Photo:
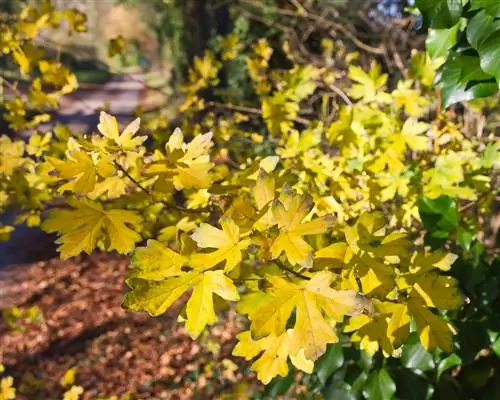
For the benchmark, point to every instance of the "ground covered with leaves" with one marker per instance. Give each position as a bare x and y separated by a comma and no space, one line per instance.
115,352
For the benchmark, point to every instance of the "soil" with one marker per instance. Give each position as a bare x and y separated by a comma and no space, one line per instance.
114,351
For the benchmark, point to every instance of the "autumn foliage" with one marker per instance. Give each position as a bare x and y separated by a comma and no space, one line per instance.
307,223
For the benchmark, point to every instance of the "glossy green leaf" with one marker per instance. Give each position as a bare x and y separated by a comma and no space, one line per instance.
379,386
489,51
496,347
412,386
338,390
492,7
329,362
480,27
440,14
440,41
415,356
463,79
465,239
449,362
439,214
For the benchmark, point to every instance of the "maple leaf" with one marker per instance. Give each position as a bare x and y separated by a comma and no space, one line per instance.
371,333
156,297
83,226
200,307
73,393
187,165
269,312
264,193
433,331
437,291
108,126
226,241
69,377
7,389
289,212
275,351
412,135
369,86
156,262
79,168
409,99
11,154
370,250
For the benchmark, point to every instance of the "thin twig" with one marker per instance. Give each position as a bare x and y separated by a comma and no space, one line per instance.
287,269
148,192
250,110
339,91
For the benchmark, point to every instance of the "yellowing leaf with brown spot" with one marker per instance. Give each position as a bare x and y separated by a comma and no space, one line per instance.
156,262
312,300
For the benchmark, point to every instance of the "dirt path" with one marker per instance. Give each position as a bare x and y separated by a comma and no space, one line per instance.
79,110
121,95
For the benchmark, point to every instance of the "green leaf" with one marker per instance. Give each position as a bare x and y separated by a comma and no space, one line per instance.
465,239
329,362
496,347
379,386
449,362
280,385
492,7
480,27
463,79
439,214
412,386
440,41
415,356
489,51
440,14
338,390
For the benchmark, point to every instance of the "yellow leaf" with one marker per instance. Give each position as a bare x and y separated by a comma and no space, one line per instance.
226,241
83,226
7,390
433,331
437,291
156,297
200,307
116,46
269,312
156,262
79,168
38,144
69,377
73,393
11,154
289,213
108,126
336,251
275,351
